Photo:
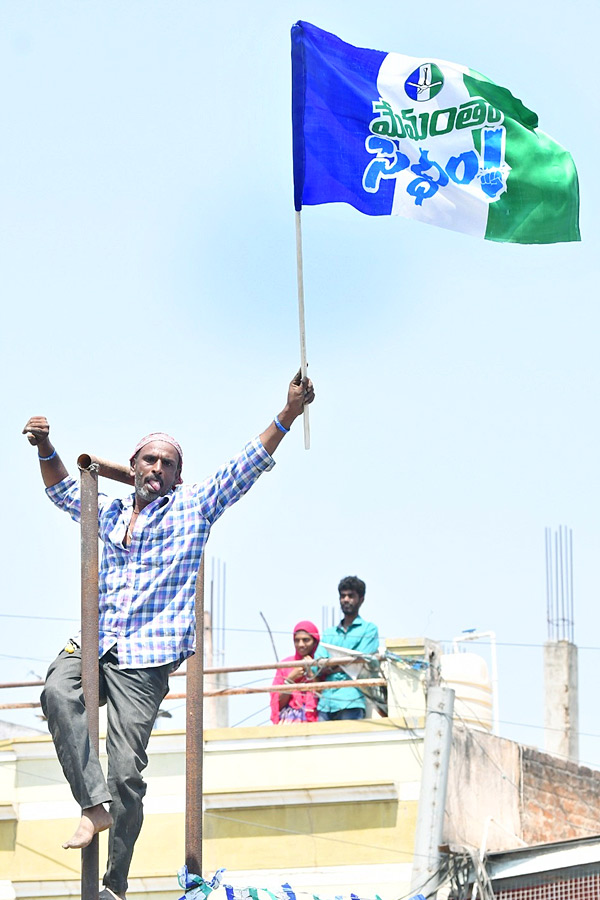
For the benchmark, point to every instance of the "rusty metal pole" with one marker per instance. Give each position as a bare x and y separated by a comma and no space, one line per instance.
114,471
89,648
194,740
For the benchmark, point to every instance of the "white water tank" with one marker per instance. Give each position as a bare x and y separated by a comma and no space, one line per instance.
467,674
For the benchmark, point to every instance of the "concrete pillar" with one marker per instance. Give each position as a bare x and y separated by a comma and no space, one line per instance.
561,717
216,709
406,686
432,797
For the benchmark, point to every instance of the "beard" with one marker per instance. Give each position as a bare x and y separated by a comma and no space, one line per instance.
143,490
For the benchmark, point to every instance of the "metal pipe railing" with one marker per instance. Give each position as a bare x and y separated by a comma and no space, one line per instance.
106,469
288,688
90,468
89,648
267,689
194,739
219,670
287,664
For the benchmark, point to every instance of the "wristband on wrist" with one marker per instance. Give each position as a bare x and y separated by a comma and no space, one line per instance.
281,427
47,458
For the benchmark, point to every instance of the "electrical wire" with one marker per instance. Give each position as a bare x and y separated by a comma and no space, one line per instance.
506,778
286,631
413,745
263,826
38,618
586,734
251,716
25,658
52,859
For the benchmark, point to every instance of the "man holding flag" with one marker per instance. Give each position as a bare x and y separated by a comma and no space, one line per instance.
153,544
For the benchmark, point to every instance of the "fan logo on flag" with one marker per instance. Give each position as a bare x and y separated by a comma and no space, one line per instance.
424,83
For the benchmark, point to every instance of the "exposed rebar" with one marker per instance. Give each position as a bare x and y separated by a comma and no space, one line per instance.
559,584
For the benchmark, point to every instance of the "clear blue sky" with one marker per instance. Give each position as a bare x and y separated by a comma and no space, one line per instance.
148,281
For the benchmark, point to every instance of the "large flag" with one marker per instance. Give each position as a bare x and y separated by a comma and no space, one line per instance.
426,139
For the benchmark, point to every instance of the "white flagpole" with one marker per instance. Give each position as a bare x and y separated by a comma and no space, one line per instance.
303,362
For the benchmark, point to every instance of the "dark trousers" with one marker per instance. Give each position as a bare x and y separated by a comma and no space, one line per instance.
353,712
132,698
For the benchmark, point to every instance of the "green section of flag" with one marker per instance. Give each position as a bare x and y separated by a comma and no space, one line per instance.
500,97
541,201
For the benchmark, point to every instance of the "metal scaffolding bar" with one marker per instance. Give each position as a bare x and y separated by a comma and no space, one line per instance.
90,468
271,689
89,648
195,739
218,670
286,688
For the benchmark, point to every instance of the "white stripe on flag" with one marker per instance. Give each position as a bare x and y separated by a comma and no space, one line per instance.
460,208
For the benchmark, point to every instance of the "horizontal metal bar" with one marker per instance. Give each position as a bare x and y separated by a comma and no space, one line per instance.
272,689
218,670
107,469
20,705
289,688
285,664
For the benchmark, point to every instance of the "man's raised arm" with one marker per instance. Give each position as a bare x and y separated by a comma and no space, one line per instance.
300,391
51,466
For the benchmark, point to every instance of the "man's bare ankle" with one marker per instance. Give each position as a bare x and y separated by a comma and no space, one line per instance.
97,811
93,820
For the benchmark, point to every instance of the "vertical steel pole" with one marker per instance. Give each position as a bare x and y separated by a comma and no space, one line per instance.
195,739
89,648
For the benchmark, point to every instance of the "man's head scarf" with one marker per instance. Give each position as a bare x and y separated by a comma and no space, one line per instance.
159,436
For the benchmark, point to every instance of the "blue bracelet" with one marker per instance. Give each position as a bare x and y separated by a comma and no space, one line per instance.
47,458
280,426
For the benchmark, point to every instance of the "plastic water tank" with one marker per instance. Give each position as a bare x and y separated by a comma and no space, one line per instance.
467,674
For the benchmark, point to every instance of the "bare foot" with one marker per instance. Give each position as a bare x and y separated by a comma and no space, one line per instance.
93,820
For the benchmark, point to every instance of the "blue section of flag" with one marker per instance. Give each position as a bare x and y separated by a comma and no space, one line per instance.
410,85
333,88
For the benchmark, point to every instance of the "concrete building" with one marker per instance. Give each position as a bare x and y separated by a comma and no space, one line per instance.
329,807
564,870
332,805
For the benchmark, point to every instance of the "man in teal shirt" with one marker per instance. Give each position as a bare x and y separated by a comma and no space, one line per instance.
352,633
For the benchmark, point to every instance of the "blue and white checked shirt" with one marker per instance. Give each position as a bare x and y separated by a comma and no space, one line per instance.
146,590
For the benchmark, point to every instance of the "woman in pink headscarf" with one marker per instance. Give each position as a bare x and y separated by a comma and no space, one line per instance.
297,706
